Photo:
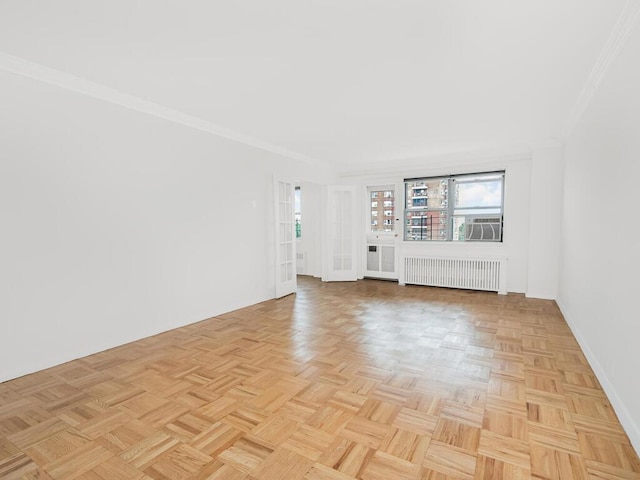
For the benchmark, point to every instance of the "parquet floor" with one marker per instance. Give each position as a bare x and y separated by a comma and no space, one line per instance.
362,380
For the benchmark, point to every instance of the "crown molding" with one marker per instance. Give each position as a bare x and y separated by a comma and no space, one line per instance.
494,157
36,71
626,22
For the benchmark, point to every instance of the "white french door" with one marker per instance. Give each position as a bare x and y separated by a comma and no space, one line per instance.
286,282
340,261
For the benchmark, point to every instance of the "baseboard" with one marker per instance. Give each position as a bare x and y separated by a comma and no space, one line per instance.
540,295
626,420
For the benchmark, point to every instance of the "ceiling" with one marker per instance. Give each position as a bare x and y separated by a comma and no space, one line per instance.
341,81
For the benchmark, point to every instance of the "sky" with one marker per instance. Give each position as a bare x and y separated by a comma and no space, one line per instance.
483,194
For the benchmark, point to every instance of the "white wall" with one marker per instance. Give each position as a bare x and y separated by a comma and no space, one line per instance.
545,221
599,286
517,207
601,260
116,225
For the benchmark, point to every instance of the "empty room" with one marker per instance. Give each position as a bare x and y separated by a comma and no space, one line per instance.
319,240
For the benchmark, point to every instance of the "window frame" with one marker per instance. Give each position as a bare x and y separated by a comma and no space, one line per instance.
449,208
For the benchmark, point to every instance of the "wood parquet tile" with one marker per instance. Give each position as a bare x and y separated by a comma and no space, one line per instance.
343,381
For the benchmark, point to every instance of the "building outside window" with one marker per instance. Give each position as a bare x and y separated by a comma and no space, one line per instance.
297,198
385,209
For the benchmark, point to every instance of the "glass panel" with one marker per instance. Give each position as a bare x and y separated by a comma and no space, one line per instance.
382,213
337,262
346,262
426,225
339,230
346,201
298,211
477,226
346,231
427,193
289,271
458,229
486,193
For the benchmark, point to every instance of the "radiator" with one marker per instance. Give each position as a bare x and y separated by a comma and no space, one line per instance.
470,273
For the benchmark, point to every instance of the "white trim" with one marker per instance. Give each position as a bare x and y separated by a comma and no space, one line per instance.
434,165
541,294
628,18
626,420
35,71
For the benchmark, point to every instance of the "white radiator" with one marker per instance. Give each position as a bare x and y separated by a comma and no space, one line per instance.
470,273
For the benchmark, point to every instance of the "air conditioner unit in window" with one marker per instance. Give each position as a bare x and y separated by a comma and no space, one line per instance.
483,229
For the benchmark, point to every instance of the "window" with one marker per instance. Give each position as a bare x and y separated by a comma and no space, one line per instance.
454,208
384,208
297,200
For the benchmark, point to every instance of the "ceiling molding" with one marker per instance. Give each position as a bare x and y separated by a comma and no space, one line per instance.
626,22
450,163
25,68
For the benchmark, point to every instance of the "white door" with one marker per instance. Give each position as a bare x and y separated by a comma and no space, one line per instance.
340,261
383,226
285,238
